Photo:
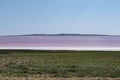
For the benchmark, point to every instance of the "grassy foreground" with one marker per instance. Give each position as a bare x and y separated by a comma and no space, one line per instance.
66,64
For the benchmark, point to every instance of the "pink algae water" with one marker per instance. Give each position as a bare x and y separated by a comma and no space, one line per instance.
60,41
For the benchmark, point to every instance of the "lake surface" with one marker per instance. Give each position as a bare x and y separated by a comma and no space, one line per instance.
60,41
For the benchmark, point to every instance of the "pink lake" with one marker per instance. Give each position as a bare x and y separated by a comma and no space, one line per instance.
60,41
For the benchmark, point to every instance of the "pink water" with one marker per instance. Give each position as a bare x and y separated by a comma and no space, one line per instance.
60,41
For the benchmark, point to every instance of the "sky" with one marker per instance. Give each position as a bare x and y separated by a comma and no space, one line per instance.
59,16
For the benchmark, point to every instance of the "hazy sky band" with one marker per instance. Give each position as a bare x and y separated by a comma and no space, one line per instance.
59,16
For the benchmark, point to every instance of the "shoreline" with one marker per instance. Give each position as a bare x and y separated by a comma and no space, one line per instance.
64,48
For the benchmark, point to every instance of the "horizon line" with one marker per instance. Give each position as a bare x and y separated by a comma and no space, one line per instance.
61,34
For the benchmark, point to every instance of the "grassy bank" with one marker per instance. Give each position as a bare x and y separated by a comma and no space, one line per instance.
20,63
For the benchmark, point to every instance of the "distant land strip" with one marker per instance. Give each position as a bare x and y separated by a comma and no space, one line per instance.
62,34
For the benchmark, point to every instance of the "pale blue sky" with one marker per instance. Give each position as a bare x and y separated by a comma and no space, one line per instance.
59,16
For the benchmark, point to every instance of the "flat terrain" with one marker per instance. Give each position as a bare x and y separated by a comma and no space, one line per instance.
62,64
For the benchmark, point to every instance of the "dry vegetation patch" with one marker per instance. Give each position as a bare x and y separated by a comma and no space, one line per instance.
29,78
64,64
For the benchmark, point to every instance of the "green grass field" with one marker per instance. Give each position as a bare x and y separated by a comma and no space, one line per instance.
23,63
